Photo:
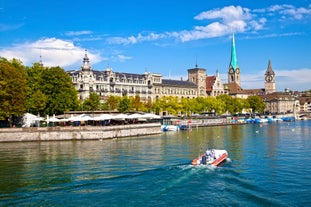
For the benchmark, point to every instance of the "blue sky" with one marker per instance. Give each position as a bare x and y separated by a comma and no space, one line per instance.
166,37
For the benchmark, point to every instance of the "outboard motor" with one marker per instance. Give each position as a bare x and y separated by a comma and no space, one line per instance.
204,159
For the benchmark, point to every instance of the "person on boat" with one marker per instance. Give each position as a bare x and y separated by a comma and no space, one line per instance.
204,159
208,152
211,153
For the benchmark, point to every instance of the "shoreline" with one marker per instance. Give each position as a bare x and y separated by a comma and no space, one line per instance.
77,132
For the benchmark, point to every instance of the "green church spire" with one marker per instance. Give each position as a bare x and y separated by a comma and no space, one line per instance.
234,59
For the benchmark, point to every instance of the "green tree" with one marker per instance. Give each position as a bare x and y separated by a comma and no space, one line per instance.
231,105
36,99
135,103
112,102
156,106
61,94
92,103
256,104
36,103
124,105
185,106
12,89
147,106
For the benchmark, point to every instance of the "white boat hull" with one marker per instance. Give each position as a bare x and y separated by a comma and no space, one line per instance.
215,158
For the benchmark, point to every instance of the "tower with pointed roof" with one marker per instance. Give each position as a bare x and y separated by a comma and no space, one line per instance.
86,67
86,78
234,70
269,79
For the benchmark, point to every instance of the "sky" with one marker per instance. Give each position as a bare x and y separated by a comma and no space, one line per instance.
164,36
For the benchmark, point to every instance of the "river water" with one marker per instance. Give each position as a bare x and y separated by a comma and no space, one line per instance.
268,165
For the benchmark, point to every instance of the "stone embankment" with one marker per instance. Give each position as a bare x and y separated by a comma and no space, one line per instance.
78,132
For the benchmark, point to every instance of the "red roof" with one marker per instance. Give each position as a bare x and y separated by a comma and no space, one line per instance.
210,80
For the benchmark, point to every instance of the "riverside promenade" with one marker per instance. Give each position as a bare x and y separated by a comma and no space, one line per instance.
78,132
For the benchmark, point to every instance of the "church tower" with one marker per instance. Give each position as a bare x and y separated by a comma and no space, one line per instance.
234,70
269,79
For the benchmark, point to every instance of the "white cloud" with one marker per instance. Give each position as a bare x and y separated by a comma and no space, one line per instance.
54,52
221,22
78,33
287,11
296,80
7,27
121,58
226,19
227,14
137,39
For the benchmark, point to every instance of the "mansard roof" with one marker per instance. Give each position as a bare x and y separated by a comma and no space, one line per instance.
105,73
178,83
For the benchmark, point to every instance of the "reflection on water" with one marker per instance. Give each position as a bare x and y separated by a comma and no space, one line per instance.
267,166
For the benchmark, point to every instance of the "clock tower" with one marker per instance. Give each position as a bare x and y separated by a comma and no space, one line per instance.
269,79
234,70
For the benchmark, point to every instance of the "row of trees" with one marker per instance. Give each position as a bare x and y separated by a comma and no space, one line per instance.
175,106
49,90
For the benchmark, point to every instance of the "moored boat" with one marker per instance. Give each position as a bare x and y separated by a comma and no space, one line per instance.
169,128
211,157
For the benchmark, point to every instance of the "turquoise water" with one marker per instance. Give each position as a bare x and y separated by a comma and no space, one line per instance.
268,165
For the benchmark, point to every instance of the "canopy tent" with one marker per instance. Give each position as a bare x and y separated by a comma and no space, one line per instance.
102,117
30,119
120,117
135,116
52,119
81,117
151,116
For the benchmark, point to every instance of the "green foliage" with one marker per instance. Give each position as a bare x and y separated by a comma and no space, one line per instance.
50,91
12,89
112,102
136,103
36,99
124,105
155,106
92,103
256,104
231,105
60,91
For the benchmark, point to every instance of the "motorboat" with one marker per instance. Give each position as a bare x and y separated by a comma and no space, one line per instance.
166,128
211,157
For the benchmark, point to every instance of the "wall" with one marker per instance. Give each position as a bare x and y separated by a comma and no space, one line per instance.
77,133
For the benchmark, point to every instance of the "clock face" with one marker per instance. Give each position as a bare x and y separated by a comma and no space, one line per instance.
231,71
237,70
269,78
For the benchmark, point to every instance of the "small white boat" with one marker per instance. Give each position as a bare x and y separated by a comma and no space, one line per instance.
169,128
211,157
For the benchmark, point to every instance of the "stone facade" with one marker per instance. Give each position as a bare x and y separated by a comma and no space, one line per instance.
78,132
149,86
279,102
